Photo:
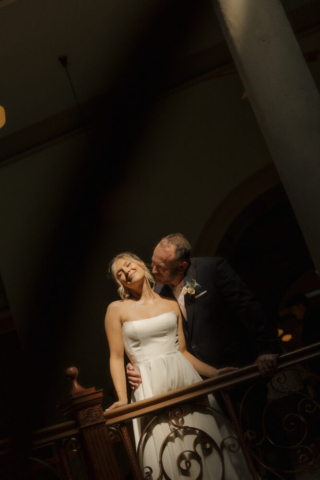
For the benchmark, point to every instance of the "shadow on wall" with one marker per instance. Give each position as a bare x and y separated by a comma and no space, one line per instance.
105,155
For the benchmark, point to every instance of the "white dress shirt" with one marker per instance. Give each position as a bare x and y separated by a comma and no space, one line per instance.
177,292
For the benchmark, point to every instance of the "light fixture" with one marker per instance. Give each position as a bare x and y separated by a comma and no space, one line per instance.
64,62
2,116
286,338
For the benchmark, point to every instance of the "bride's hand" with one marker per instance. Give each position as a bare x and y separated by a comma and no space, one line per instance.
116,405
223,371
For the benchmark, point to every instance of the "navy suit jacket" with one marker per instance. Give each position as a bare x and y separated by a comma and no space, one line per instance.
226,325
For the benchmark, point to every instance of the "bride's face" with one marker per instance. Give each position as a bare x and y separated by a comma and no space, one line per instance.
128,272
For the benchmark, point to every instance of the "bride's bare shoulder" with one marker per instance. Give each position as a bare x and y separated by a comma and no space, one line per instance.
171,302
114,314
115,308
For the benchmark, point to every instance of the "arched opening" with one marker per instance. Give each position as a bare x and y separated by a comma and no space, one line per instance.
264,244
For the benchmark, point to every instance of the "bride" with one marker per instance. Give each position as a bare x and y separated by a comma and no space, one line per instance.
149,329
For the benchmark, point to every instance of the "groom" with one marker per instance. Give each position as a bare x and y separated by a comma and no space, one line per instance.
223,323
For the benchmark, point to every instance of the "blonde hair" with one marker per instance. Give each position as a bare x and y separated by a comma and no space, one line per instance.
122,291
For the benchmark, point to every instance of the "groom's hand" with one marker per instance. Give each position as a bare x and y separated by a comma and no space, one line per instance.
134,377
268,364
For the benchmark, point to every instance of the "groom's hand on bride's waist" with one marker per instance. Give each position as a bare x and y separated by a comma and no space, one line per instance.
134,377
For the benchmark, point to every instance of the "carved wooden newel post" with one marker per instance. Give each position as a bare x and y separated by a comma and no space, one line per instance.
84,406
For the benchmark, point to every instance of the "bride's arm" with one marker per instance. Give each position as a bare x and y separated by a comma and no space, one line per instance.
201,367
114,335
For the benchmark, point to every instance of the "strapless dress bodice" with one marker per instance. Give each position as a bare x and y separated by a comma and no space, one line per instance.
150,338
153,347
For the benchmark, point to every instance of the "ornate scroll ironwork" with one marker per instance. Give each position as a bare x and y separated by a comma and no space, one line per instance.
46,465
281,423
60,465
73,443
189,460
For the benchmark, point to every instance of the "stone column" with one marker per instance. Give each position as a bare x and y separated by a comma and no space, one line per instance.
284,98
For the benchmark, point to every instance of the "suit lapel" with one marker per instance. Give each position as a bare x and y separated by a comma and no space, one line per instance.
189,302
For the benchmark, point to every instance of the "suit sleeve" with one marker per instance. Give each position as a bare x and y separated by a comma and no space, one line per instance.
243,303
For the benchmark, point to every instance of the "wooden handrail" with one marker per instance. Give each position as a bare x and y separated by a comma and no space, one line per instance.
49,435
45,436
211,385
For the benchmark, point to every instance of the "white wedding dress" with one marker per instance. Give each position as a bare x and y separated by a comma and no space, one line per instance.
152,345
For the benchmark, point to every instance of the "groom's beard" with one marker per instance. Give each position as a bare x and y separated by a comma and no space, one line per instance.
168,277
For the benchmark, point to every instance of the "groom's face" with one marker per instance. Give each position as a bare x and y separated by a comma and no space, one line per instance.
165,268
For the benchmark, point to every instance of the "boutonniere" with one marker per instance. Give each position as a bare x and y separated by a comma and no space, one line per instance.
191,289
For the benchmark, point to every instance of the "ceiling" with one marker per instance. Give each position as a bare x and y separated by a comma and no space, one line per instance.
99,38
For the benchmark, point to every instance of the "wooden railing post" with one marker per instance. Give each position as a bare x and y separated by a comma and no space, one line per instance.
84,406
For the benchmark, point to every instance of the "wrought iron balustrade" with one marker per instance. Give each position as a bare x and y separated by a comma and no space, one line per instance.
293,452
90,435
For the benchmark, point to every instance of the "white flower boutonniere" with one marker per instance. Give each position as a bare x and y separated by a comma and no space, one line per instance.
190,289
